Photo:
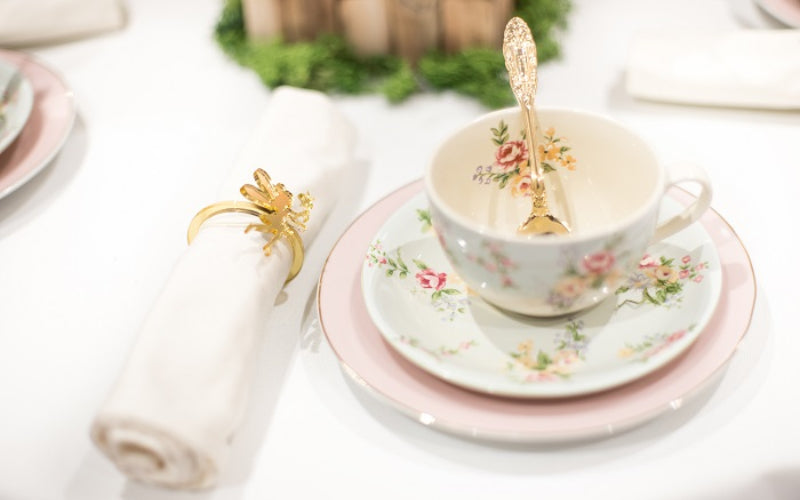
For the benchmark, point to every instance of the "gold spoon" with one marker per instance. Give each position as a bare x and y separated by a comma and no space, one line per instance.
519,51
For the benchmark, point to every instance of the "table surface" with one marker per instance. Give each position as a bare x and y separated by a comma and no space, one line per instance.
87,245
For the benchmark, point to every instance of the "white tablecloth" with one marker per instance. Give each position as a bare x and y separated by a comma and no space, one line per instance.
86,246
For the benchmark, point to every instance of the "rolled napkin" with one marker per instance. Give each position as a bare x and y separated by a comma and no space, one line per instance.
750,68
170,417
28,22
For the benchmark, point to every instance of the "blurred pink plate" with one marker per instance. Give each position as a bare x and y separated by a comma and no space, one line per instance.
373,364
785,11
46,130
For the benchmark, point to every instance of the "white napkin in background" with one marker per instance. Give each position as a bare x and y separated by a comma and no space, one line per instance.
171,415
750,68
29,22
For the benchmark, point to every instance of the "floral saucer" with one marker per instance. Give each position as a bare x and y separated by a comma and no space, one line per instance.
427,314
374,366
15,113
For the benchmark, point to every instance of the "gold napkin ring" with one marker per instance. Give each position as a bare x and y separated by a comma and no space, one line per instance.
273,205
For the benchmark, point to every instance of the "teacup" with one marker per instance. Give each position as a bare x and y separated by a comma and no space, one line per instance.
601,178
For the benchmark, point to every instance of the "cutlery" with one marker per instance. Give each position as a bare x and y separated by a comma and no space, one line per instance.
519,51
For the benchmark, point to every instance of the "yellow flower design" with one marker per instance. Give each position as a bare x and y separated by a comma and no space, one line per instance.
625,352
523,354
571,286
665,273
525,347
554,152
547,151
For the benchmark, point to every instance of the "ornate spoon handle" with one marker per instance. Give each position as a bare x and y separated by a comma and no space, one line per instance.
519,51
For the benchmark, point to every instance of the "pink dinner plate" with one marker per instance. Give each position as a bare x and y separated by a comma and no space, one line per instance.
47,127
785,11
375,365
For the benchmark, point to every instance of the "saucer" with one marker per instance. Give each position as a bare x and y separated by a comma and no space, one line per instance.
376,366
426,313
18,109
47,128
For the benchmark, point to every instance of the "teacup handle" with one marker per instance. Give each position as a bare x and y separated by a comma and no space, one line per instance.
676,174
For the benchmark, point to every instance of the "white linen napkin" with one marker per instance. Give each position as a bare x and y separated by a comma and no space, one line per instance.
748,68
28,22
180,397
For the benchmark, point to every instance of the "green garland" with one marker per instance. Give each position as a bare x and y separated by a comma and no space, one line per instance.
329,64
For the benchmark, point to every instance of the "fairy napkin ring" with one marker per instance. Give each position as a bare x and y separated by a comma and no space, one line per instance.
275,208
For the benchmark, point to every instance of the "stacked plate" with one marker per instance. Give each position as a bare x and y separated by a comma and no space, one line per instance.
36,115
785,11
767,14
404,326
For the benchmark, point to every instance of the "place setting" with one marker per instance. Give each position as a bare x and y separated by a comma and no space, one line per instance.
546,280
37,111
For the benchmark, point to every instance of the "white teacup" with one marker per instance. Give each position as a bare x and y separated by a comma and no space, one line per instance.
602,179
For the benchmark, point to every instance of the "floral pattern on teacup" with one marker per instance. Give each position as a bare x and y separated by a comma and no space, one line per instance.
511,166
651,345
660,281
493,258
449,300
439,352
591,272
537,365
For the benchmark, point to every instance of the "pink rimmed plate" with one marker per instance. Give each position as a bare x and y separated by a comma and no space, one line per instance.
785,11
46,129
365,355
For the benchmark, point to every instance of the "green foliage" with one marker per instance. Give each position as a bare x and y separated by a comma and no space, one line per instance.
400,83
230,28
424,216
328,64
479,73
500,133
544,17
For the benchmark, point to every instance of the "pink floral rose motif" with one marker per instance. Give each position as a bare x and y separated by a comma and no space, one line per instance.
676,336
494,247
428,278
563,362
521,185
686,259
510,154
599,262
540,376
648,261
